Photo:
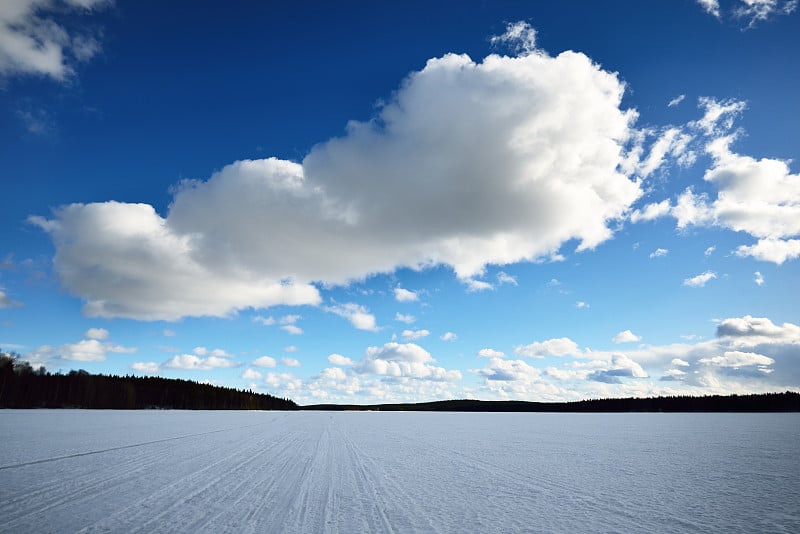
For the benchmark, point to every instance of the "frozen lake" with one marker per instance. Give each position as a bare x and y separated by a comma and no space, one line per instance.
173,471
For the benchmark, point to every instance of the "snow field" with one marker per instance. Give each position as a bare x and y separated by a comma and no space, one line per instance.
173,471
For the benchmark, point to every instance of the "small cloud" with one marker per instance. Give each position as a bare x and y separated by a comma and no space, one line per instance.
710,250
505,278
168,333
264,361
659,253
289,319
519,37
677,362
449,336
626,336
252,374
700,280
216,353
291,362
474,286
405,295
292,329
712,8
338,359
581,304
491,353
562,346
762,10
358,315
414,334
192,362
96,333
553,283
290,348
404,318
266,321
149,368
758,279
675,101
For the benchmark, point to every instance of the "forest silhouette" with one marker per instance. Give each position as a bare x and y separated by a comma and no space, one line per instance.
22,386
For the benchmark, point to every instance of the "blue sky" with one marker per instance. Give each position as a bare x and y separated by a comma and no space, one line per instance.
405,201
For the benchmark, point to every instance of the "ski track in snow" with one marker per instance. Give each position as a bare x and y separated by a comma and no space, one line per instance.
346,472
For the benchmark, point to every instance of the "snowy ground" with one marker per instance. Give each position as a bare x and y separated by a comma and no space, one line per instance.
173,471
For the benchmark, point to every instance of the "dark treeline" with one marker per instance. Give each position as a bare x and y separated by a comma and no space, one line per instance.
766,402
22,386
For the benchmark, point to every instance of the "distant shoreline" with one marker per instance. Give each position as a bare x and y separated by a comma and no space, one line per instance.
755,403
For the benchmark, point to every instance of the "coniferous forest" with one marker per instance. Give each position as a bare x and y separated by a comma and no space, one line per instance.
22,386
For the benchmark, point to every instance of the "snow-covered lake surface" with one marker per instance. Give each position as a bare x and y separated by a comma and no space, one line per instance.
173,471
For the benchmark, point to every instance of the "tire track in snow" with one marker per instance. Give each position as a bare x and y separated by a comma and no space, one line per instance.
122,447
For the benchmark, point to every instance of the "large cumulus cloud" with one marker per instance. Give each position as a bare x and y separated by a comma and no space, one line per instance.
468,164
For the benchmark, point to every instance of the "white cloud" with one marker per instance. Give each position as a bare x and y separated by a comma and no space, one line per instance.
404,318
491,353
149,368
292,329
414,334
290,348
758,278
651,211
291,362
562,346
289,319
519,37
679,363
405,295
358,315
96,333
217,353
266,321
774,250
338,359
674,374
673,142
126,261
504,161
403,360
509,370
264,361
738,359
32,42
86,350
626,336
168,333
474,286
621,367
709,251
287,383
449,336
659,253
505,278
678,99
761,10
711,7
581,304
192,362
700,280
757,330
252,374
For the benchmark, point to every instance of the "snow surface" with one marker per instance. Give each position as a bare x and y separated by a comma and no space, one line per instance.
175,471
